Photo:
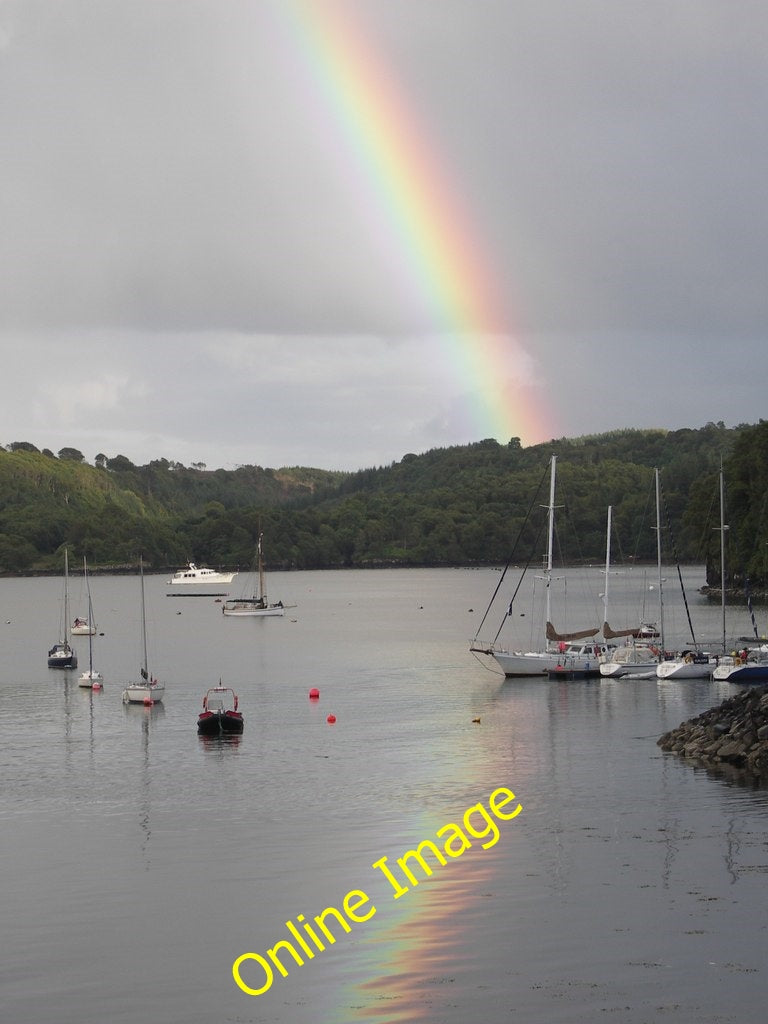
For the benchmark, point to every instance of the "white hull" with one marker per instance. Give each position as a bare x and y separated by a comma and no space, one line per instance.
531,664
143,693
575,657
83,631
631,660
90,679
642,669
680,668
194,577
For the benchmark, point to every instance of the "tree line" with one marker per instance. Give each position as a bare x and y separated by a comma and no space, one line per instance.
475,504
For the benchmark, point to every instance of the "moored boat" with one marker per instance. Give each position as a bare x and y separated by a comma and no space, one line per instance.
632,659
194,575
257,604
62,655
149,690
639,660
581,651
747,666
566,660
220,715
92,678
82,627
687,665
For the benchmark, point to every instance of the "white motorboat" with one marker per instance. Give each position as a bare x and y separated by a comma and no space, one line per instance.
194,575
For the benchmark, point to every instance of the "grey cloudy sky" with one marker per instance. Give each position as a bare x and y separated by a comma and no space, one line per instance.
196,266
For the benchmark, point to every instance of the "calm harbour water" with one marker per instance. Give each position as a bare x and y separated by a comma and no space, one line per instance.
140,860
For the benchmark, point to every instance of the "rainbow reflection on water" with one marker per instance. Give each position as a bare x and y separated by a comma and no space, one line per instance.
416,947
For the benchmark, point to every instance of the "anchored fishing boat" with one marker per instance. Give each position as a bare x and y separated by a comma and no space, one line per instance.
220,715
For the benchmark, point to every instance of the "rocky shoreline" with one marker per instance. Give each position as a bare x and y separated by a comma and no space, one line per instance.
734,734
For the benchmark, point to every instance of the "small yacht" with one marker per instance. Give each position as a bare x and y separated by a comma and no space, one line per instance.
194,576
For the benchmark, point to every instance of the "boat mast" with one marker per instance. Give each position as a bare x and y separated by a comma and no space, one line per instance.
145,668
658,559
262,595
550,541
90,619
723,528
607,563
65,638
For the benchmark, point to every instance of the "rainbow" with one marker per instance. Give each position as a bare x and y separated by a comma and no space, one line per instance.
407,186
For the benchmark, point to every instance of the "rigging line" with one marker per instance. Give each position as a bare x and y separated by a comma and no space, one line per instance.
511,556
520,581
572,533
643,519
616,539
748,596
677,565
704,543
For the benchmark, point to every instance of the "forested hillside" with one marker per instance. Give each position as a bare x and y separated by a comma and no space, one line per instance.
454,506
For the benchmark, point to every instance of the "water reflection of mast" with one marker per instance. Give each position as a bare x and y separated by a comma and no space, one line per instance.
67,723
145,803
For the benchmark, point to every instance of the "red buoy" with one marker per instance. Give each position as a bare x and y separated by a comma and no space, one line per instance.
331,719
314,693
148,702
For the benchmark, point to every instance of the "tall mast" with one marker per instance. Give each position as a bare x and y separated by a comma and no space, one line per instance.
607,563
66,598
723,528
262,595
90,619
145,667
550,540
658,559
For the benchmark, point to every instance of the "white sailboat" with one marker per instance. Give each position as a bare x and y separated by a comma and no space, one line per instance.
91,678
149,691
750,665
575,652
83,627
639,660
646,630
257,604
694,664
62,655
